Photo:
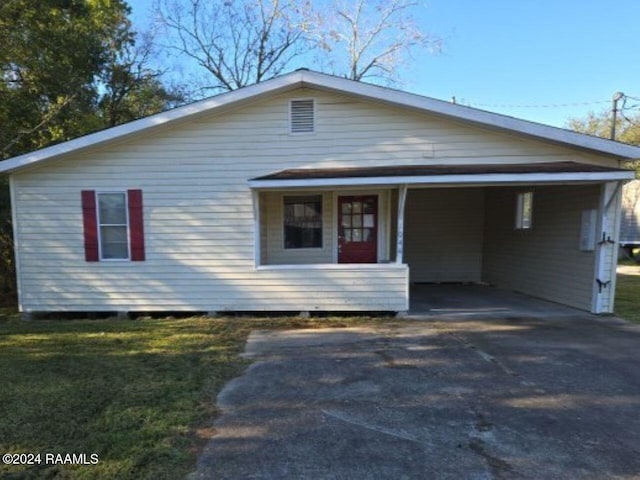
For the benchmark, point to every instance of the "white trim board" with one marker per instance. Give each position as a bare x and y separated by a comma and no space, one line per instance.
336,266
491,178
306,78
16,240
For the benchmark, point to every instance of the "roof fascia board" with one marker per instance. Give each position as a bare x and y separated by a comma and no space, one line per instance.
121,131
493,178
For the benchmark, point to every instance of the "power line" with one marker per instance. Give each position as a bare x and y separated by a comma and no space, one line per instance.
553,105
544,105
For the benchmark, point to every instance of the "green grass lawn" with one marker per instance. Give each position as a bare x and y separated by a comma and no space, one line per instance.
628,296
139,393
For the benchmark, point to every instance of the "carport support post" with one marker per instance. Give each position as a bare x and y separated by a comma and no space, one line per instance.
402,198
606,249
257,244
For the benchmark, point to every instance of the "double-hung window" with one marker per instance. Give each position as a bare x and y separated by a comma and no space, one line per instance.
113,226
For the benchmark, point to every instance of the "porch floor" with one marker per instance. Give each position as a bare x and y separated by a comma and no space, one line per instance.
477,301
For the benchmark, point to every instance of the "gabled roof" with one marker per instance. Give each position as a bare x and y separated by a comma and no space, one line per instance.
307,78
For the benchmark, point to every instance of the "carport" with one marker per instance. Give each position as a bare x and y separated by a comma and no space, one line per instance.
538,239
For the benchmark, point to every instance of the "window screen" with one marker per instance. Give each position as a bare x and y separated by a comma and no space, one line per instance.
303,221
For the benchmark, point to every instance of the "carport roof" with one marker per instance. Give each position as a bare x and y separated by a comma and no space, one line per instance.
430,174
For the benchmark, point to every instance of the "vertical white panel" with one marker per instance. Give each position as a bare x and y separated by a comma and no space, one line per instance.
257,237
402,199
16,238
607,247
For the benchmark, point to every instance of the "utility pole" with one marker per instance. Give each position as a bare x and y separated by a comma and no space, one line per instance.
614,112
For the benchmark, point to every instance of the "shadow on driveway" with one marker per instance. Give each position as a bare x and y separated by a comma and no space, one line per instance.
461,399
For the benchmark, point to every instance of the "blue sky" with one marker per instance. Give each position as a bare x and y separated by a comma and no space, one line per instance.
523,52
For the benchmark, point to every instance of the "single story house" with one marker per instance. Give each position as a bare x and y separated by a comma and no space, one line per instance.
310,192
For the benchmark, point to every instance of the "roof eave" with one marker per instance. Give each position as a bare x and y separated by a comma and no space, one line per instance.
453,179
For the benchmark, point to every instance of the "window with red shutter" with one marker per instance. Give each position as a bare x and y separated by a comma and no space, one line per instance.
113,225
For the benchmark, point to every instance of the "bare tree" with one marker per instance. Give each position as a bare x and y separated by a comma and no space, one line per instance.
239,42
370,39
131,87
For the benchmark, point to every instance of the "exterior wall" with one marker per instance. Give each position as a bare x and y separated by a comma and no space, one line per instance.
198,214
630,222
546,260
444,233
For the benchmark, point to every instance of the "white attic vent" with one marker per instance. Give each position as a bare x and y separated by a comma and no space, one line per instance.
302,116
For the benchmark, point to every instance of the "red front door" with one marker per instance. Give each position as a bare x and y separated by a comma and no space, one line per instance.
358,229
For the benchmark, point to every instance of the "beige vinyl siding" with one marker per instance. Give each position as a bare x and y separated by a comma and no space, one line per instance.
544,261
198,214
178,287
443,234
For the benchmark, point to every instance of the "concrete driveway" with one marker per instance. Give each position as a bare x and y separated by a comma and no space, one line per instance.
460,399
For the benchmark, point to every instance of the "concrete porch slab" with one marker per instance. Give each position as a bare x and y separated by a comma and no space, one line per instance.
479,301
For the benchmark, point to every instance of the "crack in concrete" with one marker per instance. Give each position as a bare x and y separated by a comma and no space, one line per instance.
375,428
484,355
499,468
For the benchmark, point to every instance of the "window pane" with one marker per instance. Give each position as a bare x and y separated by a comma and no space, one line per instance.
368,221
524,214
347,234
112,208
312,209
357,235
357,207
346,208
527,210
114,251
368,207
303,221
298,210
357,221
367,235
346,220
113,234
113,242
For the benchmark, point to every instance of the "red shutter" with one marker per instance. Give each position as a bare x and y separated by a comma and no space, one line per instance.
136,225
90,225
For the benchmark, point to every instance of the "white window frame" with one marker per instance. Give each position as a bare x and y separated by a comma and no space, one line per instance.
520,210
322,213
99,224
315,116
